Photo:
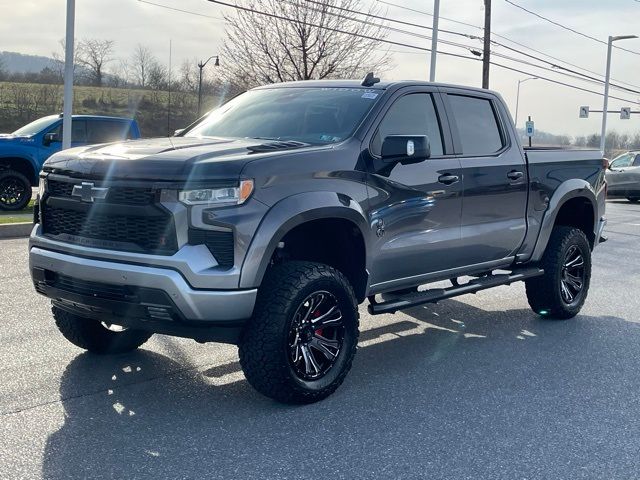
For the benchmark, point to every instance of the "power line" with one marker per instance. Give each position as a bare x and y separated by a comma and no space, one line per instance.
455,44
422,12
391,42
180,10
577,32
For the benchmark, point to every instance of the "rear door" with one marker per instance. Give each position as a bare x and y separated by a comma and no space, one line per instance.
495,177
414,209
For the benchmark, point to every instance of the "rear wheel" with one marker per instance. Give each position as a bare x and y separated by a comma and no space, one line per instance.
300,343
15,190
97,337
562,290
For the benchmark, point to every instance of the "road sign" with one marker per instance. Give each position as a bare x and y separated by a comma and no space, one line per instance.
530,129
584,112
625,113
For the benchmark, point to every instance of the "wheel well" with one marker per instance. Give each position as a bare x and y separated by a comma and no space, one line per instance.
21,165
335,242
578,213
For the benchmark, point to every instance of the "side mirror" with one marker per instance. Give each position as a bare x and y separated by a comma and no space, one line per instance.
50,138
178,132
405,149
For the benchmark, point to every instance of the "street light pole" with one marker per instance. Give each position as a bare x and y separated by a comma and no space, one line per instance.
67,109
518,96
201,66
434,40
605,106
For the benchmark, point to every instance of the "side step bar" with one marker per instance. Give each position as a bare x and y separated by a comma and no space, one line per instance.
435,295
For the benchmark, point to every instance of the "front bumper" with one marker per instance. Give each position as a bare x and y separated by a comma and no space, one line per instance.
193,307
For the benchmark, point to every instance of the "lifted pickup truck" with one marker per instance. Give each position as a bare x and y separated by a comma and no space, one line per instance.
268,221
23,152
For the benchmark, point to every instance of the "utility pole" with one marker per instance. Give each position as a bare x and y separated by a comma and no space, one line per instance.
486,54
67,110
603,133
434,40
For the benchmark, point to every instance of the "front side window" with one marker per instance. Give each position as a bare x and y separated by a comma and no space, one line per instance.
311,115
78,131
622,161
413,114
477,125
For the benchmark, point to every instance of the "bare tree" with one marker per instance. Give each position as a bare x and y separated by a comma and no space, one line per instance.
94,54
158,76
302,41
59,58
141,60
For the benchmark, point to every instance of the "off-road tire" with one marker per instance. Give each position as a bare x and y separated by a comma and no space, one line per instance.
91,335
264,348
21,181
544,293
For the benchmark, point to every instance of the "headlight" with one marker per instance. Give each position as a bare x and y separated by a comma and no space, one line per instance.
41,187
217,196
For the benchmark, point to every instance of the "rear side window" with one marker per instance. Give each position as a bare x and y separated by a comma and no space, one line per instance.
477,125
103,131
413,114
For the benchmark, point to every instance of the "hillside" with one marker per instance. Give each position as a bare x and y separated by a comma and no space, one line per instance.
21,103
21,63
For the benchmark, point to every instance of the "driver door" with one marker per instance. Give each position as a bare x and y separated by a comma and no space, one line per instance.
415,209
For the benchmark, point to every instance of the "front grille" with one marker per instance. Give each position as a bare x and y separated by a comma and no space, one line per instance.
150,234
117,194
108,223
220,244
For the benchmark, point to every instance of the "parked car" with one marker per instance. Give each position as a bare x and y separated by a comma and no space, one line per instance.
623,177
268,222
23,152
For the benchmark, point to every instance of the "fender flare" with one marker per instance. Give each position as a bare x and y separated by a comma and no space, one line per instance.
567,190
287,214
21,158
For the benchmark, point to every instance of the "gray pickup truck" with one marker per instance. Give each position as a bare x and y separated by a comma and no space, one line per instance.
268,221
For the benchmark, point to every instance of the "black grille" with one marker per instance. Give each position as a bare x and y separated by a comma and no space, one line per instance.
85,287
116,194
150,234
220,244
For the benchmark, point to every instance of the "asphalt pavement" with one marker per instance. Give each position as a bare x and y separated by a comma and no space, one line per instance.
471,388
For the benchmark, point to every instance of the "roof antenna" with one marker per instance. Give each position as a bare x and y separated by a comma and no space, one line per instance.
369,80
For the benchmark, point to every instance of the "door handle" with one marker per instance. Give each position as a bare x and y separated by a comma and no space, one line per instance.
515,175
448,179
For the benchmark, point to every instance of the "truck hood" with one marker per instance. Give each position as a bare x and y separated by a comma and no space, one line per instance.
166,159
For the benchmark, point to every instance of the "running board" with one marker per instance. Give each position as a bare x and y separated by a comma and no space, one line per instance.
435,295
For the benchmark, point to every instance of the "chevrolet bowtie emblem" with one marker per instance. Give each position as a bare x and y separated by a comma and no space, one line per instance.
88,192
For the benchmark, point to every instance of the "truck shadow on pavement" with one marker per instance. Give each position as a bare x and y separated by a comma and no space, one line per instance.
450,391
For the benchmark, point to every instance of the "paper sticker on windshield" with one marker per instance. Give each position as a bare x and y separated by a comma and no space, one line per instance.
371,95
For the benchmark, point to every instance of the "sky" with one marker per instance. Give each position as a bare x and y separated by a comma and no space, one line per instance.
36,26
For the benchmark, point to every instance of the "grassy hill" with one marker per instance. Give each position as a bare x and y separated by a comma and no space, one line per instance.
21,103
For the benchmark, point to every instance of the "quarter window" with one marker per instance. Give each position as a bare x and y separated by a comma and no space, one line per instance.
413,114
477,125
103,131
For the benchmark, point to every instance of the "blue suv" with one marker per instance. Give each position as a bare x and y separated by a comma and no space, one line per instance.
23,152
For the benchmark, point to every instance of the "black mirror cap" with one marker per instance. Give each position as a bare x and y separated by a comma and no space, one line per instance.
405,149
50,137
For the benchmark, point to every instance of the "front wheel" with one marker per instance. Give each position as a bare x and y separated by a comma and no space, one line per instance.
15,190
300,343
95,336
562,290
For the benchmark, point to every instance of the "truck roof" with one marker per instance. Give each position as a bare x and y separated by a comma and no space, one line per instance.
358,84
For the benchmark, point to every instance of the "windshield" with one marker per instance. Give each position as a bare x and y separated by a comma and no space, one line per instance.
36,126
311,115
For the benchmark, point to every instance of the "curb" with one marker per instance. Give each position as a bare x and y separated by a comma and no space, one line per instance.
15,230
